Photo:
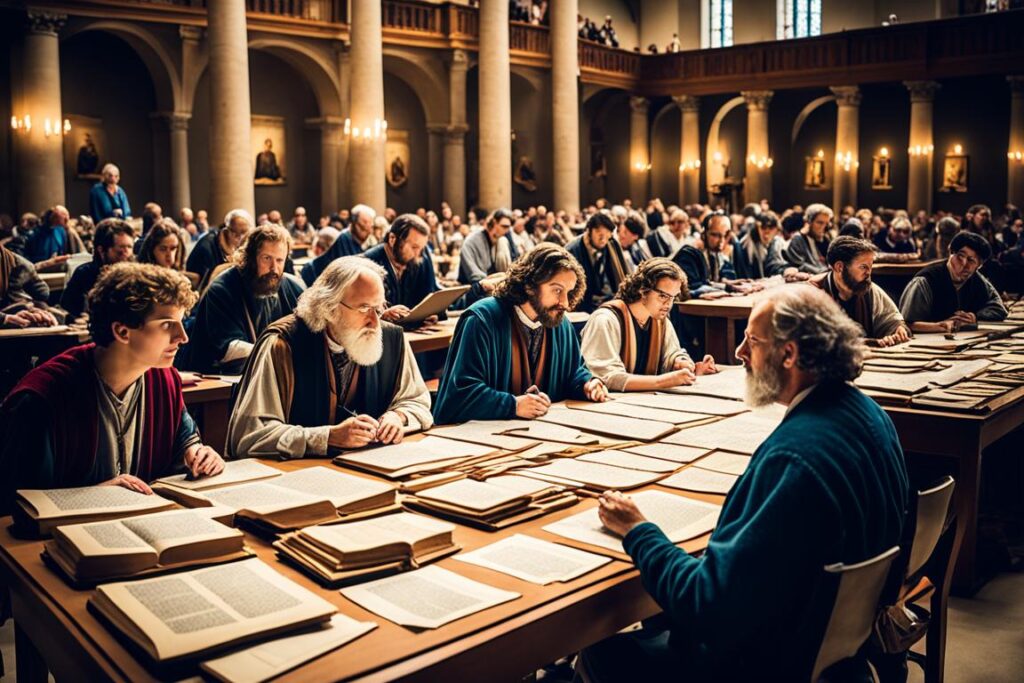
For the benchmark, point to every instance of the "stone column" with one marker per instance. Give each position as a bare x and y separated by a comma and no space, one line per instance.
366,153
758,183
40,157
565,115
844,174
176,124
495,107
922,148
639,152
231,164
345,76
1015,164
435,162
330,128
689,149
454,140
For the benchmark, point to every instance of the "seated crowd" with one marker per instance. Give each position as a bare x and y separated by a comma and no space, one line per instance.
229,299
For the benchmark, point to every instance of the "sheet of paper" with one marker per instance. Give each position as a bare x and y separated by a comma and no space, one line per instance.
679,517
706,405
675,417
630,461
546,431
471,494
487,433
426,598
701,481
729,382
273,658
408,453
259,497
668,451
534,560
723,461
898,383
341,488
595,475
740,434
235,472
610,425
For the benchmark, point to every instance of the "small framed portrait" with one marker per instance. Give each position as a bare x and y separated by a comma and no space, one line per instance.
814,173
954,173
881,173
269,150
396,157
85,147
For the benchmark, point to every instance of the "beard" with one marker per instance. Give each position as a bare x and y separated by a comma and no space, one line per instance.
549,317
855,287
364,346
763,387
266,285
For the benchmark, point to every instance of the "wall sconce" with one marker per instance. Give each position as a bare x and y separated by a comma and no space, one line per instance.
883,152
50,126
377,132
957,149
821,154
641,166
761,162
1015,155
689,166
846,161
920,150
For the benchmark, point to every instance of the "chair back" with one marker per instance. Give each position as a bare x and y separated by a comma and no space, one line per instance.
860,587
932,511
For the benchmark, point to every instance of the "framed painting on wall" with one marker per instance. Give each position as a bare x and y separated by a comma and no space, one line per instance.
881,173
85,147
814,173
269,150
954,173
396,158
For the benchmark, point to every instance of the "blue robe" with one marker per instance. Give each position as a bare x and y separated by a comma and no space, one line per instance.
102,204
344,245
45,241
417,281
477,380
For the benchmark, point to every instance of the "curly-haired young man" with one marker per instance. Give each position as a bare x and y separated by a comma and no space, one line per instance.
515,353
112,411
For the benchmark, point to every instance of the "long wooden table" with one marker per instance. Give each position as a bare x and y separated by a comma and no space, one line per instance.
208,402
720,317
55,632
893,277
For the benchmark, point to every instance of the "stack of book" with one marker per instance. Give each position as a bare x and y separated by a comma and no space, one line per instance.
38,511
496,503
336,554
429,454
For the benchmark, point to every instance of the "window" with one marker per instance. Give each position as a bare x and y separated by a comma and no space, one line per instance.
721,23
798,19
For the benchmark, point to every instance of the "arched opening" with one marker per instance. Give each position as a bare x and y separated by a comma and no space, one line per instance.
605,139
727,143
666,132
531,142
408,141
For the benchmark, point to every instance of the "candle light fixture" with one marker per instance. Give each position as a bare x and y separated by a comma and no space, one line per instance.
378,131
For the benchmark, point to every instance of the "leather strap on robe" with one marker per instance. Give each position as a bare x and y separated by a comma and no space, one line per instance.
523,375
629,341
863,304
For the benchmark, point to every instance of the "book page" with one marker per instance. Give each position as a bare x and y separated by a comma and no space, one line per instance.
235,472
534,560
84,500
178,527
408,453
101,538
273,658
595,475
260,498
725,462
895,382
705,405
521,485
192,611
630,461
486,433
668,451
680,518
366,534
610,425
728,382
739,434
471,494
701,481
676,417
340,487
426,598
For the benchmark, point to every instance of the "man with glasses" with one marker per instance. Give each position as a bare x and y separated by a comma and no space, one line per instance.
486,255
515,353
112,244
896,243
242,301
352,241
109,412
627,342
408,276
359,381
601,258
217,246
709,272
952,294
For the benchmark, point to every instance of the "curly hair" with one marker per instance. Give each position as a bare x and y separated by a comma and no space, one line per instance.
245,256
127,293
162,228
536,267
645,278
828,342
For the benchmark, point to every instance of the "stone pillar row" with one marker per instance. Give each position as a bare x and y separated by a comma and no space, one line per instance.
844,186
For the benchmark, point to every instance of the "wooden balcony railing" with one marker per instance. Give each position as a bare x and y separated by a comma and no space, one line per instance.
529,38
417,17
329,11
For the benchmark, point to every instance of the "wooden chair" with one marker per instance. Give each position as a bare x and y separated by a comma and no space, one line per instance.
855,608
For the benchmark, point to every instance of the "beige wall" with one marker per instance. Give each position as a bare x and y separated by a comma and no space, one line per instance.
753,22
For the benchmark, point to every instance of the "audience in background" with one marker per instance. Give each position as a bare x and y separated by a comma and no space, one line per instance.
107,199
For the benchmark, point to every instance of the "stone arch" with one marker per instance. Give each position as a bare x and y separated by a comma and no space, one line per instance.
712,143
665,143
806,112
318,69
152,52
430,86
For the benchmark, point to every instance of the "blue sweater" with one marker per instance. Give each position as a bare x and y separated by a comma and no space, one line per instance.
829,485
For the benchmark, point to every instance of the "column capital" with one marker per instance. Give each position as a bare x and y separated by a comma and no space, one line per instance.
1016,82
847,95
639,104
45,22
437,128
190,34
687,102
922,91
456,132
458,60
757,100
174,120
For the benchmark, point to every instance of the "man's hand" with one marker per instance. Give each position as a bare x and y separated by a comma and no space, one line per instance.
682,364
129,482
791,274
395,313
678,378
901,335
355,432
619,513
391,428
203,461
706,366
966,318
533,404
595,390
52,262
30,317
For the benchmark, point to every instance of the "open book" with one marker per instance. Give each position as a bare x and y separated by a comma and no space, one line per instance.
493,504
38,511
235,472
202,611
301,498
100,551
337,553
429,454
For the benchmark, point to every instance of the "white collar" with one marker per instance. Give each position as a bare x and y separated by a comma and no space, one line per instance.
333,346
799,397
525,319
